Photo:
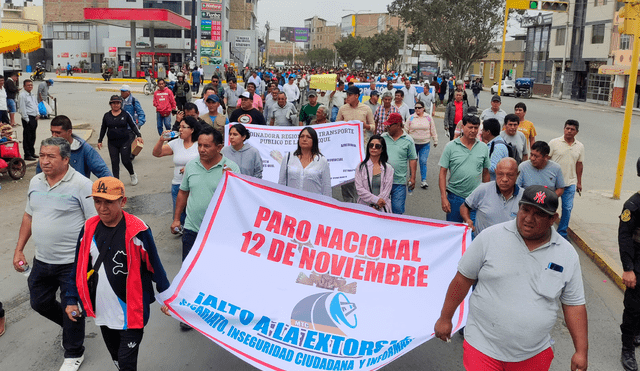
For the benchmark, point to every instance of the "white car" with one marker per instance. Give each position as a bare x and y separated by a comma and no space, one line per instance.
508,88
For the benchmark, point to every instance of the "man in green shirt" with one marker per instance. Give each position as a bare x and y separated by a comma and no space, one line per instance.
309,110
401,150
468,160
201,178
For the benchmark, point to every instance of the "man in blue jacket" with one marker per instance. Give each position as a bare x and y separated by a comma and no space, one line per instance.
132,106
84,158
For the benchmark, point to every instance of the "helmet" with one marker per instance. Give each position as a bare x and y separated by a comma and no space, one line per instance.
180,74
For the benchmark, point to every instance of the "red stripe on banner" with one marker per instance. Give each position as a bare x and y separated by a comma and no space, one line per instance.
277,128
204,239
227,345
462,308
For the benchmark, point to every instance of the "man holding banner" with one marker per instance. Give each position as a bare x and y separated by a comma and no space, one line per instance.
521,269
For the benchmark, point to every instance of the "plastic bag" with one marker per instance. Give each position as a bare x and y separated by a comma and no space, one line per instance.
48,107
42,110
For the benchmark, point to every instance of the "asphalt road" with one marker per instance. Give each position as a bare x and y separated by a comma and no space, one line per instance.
33,343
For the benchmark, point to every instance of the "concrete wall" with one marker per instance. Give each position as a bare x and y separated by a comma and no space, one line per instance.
70,10
71,51
238,39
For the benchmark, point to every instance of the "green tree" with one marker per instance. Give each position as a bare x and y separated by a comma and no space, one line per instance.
387,44
459,31
368,52
348,49
321,56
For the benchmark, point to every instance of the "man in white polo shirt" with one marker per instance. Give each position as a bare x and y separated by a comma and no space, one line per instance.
496,201
521,268
57,208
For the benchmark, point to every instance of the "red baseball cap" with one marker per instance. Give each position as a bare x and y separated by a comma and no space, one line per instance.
394,118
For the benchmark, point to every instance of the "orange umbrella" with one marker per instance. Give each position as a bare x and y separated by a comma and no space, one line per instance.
26,41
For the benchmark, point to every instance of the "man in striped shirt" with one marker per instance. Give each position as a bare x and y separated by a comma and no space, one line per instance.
382,113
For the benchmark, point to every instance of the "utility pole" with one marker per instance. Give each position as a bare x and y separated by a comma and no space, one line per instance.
404,51
630,15
268,27
564,56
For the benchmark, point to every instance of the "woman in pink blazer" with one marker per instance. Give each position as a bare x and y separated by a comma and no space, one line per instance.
374,176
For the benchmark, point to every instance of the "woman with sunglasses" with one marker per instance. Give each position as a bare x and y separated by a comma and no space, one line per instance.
374,176
422,129
306,168
121,131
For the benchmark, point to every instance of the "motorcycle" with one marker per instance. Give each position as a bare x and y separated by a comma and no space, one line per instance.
39,73
151,85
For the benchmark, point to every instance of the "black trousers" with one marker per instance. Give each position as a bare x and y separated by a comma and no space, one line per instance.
29,136
120,149
630,326
123,345
180,102
1,310
44,281
452,132
4,117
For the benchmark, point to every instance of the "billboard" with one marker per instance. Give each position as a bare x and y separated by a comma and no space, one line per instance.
294,34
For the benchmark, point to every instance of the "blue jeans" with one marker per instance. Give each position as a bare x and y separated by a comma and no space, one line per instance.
44,281
174,195
567,206
11,105
423,155
166,121
477,98
188,239
334,113
456,201
398,198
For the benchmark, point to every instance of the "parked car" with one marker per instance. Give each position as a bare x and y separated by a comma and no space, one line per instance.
508,88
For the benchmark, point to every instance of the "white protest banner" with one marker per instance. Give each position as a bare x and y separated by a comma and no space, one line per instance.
291,280
339,142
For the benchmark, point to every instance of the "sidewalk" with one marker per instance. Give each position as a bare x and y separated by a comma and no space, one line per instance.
96,78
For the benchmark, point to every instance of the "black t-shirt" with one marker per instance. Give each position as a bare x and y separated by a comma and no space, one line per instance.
115,260
253,116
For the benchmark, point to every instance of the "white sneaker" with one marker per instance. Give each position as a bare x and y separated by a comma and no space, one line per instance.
424,184
134,179
72,364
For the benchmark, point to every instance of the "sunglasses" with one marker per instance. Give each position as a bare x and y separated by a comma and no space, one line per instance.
418,107
375,146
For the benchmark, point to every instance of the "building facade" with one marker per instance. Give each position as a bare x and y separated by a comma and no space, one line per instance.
368,24
488,68
587,31
321,35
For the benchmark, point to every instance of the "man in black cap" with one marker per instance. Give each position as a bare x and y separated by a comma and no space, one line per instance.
246,114
354,110
521,268
629,243
494,112
372,103
308,111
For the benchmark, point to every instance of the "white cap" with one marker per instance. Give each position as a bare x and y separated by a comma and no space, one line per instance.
125,88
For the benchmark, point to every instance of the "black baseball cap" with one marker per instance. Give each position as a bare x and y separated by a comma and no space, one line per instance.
541,197
374,92
353,90
496,98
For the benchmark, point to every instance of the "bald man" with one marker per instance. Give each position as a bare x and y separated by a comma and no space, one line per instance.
496,201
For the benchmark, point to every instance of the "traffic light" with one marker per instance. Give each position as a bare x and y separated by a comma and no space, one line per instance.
554,6
629,18
533,5
523,4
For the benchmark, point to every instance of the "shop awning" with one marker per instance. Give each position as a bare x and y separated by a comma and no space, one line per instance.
26,41
144,18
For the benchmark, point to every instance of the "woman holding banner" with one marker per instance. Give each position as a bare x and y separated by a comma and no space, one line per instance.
243,154
306,168
374,176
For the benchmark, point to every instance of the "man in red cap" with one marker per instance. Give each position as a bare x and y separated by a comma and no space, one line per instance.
401,150
117,254
523,270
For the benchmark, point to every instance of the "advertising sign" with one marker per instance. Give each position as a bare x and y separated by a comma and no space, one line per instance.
294,34
242,42
211,7
291,280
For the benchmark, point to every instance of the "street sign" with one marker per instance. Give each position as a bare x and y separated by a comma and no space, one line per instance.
613,70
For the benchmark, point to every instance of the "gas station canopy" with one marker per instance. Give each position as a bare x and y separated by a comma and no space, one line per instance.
144,18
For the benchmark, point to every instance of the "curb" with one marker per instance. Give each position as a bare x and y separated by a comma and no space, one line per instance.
117,90
596,258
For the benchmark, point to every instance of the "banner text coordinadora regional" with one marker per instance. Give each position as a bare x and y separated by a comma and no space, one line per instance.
356,256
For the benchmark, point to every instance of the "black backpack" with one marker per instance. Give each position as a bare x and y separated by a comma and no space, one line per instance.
512,151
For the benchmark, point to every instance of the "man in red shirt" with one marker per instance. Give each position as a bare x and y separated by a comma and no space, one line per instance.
165,104
454,113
